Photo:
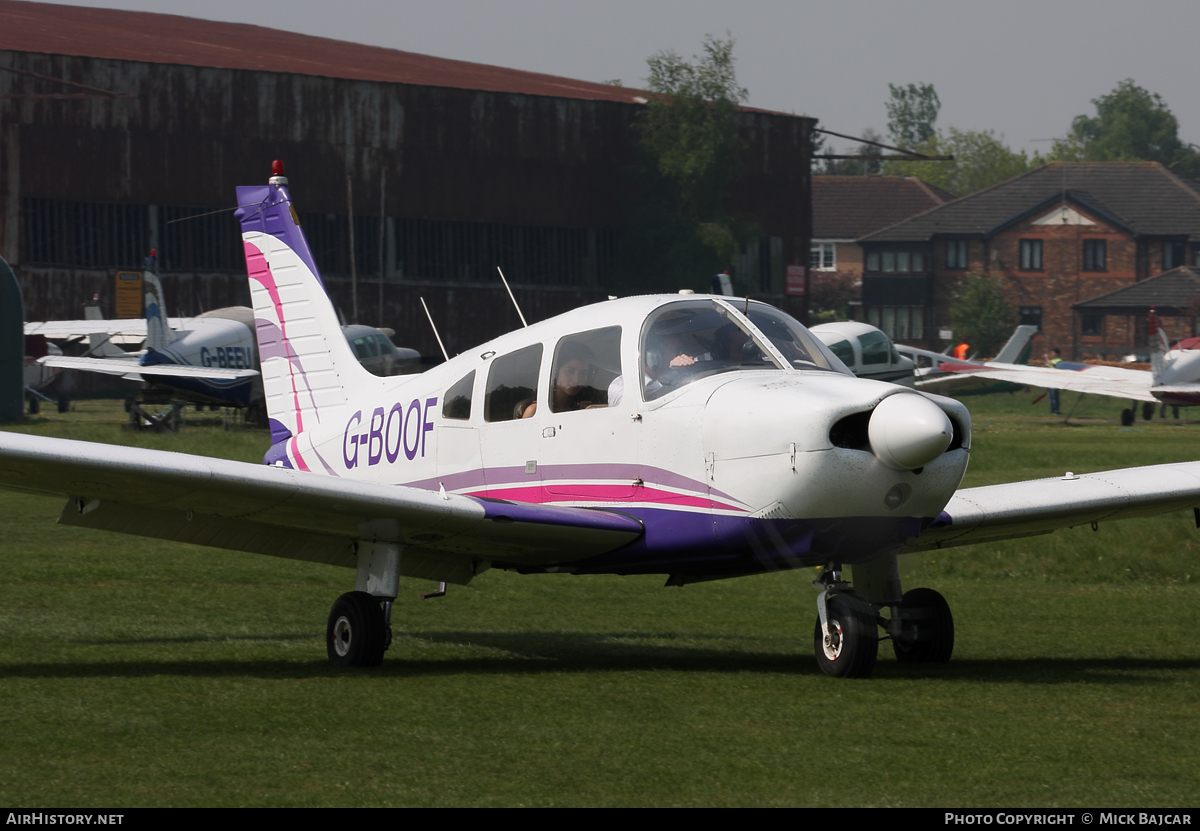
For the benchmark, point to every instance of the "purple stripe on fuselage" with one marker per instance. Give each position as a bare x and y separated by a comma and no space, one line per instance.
268,209
501,511
279,433
678,542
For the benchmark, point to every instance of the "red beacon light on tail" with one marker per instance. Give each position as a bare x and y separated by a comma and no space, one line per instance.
277,177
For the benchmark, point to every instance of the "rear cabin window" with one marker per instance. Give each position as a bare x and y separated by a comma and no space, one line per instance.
458,398
586,368
512,384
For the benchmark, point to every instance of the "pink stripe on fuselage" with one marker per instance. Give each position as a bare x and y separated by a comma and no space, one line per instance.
607,494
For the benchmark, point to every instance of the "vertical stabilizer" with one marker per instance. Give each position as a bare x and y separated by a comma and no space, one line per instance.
159,333
306,361
1158,347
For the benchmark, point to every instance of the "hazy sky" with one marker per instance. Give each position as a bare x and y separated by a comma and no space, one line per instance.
1023,68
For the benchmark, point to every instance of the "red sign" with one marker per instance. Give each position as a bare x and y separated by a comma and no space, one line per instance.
795,280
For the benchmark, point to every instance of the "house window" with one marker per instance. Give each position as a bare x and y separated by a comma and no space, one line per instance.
956,253
1092,324
899,322
1031,255
824,256
1031,316
918,262
1094,255
1173,255
889,261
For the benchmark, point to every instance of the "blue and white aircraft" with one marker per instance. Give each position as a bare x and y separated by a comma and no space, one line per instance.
699,437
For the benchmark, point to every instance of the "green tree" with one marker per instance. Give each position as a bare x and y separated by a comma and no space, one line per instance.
980,161
1131,124
981,314
688,156
912,111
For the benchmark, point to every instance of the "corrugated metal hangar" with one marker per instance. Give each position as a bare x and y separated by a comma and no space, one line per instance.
122,132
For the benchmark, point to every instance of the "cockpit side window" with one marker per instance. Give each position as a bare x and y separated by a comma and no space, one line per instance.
586,366
458,398
876,348
512,384
692,339
843,350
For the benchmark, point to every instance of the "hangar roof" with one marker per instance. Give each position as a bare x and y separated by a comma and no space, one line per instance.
173,39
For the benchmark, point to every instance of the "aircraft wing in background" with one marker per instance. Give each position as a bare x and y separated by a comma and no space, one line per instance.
131,368
1130,384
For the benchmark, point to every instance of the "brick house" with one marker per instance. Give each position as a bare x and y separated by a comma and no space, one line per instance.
1057,236
1174,295
846,208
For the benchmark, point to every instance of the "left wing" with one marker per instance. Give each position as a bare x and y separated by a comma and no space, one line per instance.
1024,509
299,515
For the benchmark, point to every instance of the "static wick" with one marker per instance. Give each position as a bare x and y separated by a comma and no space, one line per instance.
513,299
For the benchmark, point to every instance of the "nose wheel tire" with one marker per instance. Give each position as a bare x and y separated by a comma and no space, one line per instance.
850,644
927,628
356,634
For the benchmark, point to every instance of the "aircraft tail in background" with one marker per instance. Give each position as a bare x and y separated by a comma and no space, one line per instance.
306,361
1159,347
159,333
1017,345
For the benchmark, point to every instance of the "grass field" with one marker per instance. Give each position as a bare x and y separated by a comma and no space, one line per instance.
138,673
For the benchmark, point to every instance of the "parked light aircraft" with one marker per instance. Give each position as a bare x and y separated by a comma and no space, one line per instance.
1173,379
866,351
209,359
700,437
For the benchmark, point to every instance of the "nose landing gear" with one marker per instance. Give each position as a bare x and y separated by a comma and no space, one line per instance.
846,639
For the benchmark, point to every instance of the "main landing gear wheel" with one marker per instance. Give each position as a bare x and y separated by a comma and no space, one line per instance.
1127,417
927,628
851,643
1147,411
356,634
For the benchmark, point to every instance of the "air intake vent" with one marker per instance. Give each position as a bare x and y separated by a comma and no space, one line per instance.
851,432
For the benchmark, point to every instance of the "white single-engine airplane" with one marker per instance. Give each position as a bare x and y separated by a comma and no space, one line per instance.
698,437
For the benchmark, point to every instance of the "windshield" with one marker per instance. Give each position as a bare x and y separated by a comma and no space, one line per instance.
693,339
799,347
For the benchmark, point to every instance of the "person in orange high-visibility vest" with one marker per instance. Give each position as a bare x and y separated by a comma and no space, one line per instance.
960,351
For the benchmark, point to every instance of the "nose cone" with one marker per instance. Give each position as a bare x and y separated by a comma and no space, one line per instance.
909,431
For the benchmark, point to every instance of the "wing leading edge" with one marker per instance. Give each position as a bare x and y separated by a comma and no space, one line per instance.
297,515
1023,509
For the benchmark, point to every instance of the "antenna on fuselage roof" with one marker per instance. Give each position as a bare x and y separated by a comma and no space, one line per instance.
513,299
433,326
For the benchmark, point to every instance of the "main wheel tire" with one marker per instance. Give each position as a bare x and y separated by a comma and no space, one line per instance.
928,628
852,644
1147,411
1127,417
355,634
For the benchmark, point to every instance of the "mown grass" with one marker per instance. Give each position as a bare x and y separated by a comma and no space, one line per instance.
139,673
